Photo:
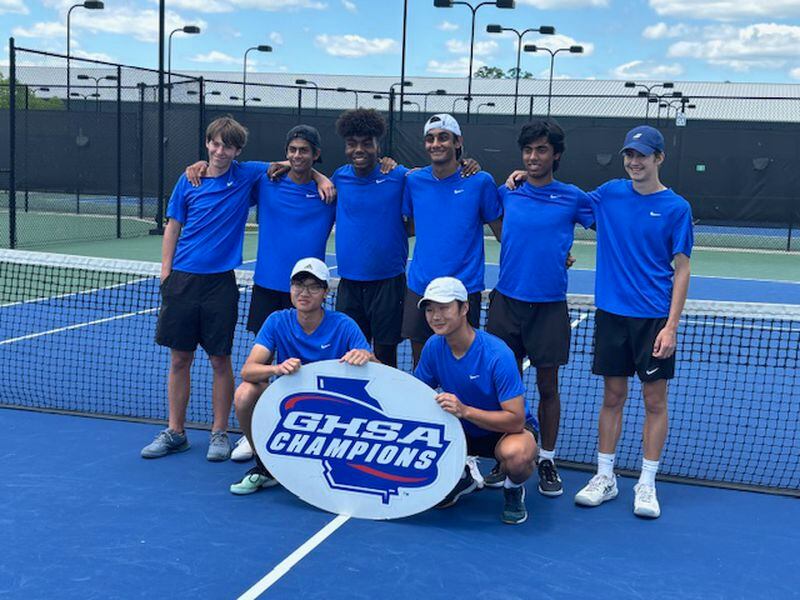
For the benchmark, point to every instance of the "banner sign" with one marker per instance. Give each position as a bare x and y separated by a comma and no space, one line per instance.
368,441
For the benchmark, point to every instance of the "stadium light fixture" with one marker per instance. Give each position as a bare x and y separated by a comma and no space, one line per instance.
260,48
552,53
439,92
647,90
343,89
89,5
316,91
190,29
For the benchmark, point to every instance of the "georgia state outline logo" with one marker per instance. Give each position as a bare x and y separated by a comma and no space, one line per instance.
334,437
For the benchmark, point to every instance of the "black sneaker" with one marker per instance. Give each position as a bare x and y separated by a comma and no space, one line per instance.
549,480
495,478
514,511
466,485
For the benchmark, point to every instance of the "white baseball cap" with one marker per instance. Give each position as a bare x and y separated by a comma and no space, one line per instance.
442,121
444,290
312,266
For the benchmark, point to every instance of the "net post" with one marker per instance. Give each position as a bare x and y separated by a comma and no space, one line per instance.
12,145
119,152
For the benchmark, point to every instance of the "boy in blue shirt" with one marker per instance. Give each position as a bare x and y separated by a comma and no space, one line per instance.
294,337
199,296
446,213
644,242
528,307
481,386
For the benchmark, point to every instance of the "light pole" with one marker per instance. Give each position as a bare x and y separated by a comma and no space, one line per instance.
316,91
474,9
190,29
262,48
552,53
544,30
97,81
90,5
436,93
466,99
403,84
342,89
489,104
411,102
645,93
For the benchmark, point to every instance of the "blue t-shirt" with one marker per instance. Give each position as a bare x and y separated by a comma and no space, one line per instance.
293,223
484,377
371,239
449,215
538,231
637,238
213,216
336,335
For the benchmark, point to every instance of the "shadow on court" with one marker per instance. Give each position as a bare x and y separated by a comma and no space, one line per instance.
85,517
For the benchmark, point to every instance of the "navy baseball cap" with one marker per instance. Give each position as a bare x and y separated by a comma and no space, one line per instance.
307,133
644,139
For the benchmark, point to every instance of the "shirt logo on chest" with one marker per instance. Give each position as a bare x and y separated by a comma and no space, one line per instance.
654,214
325,346
311,195
474,376
379,181
461,191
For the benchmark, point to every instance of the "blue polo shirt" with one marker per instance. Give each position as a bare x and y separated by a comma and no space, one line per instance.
449,215
293,223
483,378
336,335
538,231
637,237
213,217
371,239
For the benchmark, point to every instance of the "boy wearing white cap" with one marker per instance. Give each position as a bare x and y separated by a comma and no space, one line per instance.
481,386
294,337
446,213
644,241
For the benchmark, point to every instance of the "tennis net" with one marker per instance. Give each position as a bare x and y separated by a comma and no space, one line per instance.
77,335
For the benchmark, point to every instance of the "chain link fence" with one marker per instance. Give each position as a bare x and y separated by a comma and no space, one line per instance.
86,150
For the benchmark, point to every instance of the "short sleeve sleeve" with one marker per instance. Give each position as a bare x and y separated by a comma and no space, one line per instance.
178,202
584,213
491,207
507,381
408,205
426,368
267,334
354,336
683,237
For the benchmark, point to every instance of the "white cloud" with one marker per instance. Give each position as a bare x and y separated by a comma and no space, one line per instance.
140,24
217,57
661,31
481,48
41,30
639,69
727,10
93,56
203,6
276,38
459,66
277,5
562,4
355,46
13,6
447,26
349,6
795,73
762,45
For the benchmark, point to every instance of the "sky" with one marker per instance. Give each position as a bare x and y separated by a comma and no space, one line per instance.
669,40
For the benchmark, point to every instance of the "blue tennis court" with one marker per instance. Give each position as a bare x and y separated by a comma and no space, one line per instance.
91,519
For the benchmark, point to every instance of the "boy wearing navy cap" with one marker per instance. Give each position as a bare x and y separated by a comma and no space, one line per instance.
644,242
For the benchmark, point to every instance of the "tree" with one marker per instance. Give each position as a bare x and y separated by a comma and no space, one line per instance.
486,72
34,102
512,74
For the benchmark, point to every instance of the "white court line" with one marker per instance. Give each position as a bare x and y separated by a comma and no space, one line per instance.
31,336
295,557
527,362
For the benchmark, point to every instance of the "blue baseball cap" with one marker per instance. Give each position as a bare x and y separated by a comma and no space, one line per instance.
644,139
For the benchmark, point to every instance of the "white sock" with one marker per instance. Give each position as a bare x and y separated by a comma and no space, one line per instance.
510,484
546,455
605,464
649,470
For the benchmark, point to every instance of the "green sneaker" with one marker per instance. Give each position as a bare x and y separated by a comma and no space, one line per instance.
514,511
166,442
255,479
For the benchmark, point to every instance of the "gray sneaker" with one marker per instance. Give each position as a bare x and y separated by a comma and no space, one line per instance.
219,447
166,442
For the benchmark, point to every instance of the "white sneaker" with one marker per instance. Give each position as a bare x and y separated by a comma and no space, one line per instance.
472,465
645,502
599,489
242,451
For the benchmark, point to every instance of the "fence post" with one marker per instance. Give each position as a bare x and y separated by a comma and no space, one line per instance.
202,130
141,85
12,144
391,122
530,109
299,103
119,151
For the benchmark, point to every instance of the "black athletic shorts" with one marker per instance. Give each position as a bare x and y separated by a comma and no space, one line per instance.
415,325
484,445
263,303
377,306
198,309
624,346
539,330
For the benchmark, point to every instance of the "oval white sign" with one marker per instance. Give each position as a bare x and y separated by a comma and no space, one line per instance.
368,442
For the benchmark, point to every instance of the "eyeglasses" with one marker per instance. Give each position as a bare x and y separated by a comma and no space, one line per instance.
311,288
